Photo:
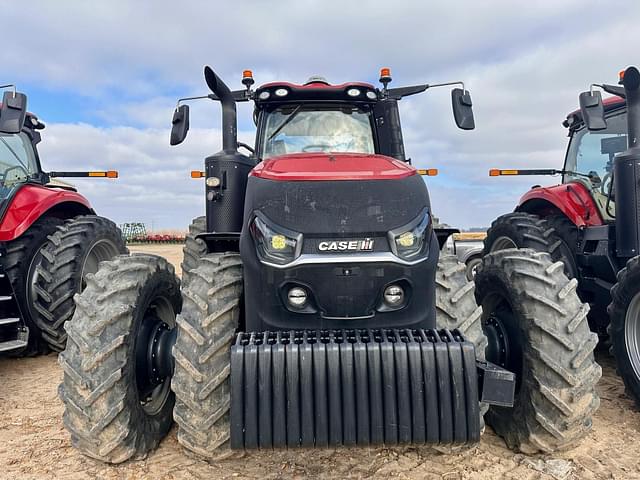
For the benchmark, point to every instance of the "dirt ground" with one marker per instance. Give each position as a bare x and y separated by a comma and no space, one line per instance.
34,444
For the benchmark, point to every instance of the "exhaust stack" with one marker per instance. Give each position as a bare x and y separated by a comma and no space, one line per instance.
229,115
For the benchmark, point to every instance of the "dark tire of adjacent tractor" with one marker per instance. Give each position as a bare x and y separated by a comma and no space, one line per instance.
537,327
202,352
194,248
20,263
525,230
624,329
456,307
73,251
117,365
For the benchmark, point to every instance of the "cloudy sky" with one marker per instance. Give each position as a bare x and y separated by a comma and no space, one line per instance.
104,77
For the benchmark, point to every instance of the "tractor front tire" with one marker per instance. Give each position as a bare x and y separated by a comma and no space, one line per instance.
456,308
73,251
117,397
20,264
525,230
206,329
537,327
624,329
194,248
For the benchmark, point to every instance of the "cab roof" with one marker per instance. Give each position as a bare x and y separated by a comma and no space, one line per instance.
316,90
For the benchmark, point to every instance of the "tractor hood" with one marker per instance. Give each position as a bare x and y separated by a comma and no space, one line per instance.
336,194
332,166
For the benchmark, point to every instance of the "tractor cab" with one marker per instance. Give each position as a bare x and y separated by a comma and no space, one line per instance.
590,154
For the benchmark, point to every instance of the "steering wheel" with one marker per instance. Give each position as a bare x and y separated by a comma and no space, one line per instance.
321,146
14,167
604,186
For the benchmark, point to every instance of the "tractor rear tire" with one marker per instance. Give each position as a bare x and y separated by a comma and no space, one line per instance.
624,329
73,251
525,230
114,409
456,308
206,329
19,264
537,327
194,248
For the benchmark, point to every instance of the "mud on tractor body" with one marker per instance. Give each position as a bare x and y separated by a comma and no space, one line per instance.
50,237
591,222
315,309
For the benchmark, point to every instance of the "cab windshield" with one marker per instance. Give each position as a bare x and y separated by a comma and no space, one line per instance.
17,161
296,129
590,156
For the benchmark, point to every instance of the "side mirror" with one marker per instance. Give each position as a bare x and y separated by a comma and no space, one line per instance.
180,124
13,112
462,109
592,110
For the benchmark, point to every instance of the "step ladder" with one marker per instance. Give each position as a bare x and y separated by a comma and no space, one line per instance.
13,332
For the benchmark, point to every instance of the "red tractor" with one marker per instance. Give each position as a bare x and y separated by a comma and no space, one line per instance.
50,237
591,221
315,309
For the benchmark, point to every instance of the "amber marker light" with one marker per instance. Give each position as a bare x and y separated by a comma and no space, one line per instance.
428,172
197,174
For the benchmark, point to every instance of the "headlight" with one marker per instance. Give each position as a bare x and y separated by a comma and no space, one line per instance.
412,240
273,243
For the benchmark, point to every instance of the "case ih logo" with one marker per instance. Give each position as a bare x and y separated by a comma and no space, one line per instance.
365,245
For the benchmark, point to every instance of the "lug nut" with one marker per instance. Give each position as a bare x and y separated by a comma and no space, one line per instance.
297,297
393,295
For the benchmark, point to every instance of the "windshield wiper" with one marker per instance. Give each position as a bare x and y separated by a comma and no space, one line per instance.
285,122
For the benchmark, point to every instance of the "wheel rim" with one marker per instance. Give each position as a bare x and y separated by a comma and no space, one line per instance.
503,243
632,333
153,359
504,347
100,251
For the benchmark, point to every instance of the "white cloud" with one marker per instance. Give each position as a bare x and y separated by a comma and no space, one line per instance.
525,64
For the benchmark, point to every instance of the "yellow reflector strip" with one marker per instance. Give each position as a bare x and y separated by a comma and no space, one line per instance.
97,174
495,172
197,174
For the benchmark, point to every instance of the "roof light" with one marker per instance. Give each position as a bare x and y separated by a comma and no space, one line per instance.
281,92
247,78
385,77
264,95
353,92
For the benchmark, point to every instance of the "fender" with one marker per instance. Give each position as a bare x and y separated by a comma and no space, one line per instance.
30,202
573,199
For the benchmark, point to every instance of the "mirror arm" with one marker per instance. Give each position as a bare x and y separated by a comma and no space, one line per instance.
614,90
242,144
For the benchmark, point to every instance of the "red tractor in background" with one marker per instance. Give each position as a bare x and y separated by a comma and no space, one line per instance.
591,221
50,237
